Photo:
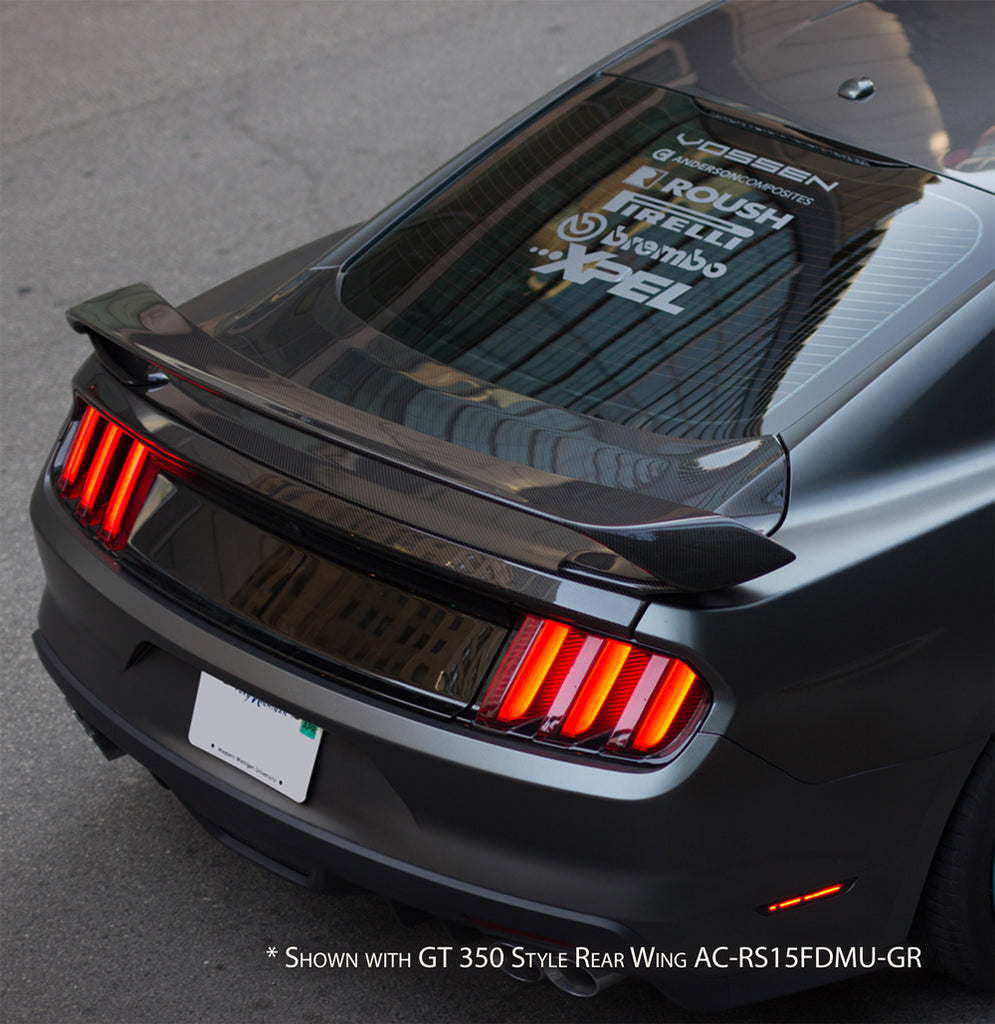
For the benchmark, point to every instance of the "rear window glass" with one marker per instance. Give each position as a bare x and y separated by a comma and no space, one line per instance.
630,257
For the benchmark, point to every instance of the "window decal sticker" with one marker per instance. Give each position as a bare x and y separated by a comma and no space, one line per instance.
628,257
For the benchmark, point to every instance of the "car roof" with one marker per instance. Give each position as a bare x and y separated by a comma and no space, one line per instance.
931,102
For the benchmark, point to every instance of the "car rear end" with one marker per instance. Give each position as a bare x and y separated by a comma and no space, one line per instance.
436,605
419,792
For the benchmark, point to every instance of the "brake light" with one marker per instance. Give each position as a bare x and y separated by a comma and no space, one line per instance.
106,475
559,684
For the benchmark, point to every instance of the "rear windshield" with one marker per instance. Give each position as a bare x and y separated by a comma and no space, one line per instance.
631,257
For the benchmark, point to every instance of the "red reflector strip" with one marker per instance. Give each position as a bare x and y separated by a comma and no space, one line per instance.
828,891
795,901
70,469
566,686
491,926
106,476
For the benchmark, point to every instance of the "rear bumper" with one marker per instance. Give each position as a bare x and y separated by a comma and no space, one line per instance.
677,859
293,848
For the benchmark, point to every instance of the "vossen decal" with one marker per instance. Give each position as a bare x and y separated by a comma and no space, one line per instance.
758,163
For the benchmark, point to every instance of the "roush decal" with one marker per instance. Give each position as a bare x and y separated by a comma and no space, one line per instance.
659,180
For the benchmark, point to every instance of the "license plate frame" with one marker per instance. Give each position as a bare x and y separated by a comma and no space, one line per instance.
257,738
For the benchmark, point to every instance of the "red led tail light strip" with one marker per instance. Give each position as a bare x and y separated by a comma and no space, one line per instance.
538,659
96,475
595,689
666,701
106,475
81,440
559,684
124,493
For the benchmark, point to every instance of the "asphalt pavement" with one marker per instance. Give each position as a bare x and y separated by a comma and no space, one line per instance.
181,143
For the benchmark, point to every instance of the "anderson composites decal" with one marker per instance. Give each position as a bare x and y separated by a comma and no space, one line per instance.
741,156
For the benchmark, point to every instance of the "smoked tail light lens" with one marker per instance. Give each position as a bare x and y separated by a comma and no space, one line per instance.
105,476
559,684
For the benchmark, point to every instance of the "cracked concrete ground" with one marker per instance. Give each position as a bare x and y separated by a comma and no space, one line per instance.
182,143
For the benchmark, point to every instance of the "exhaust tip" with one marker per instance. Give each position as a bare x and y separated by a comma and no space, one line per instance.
576,981
518,968
107,747
526,973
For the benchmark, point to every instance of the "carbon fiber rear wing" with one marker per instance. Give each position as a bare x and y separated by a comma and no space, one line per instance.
675,533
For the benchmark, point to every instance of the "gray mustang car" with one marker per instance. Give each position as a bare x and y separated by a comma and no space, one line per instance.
593,550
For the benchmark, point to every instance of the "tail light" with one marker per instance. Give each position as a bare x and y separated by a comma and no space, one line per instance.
105,476
559,684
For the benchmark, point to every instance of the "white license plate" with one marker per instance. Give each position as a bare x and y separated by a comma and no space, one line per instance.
263,741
